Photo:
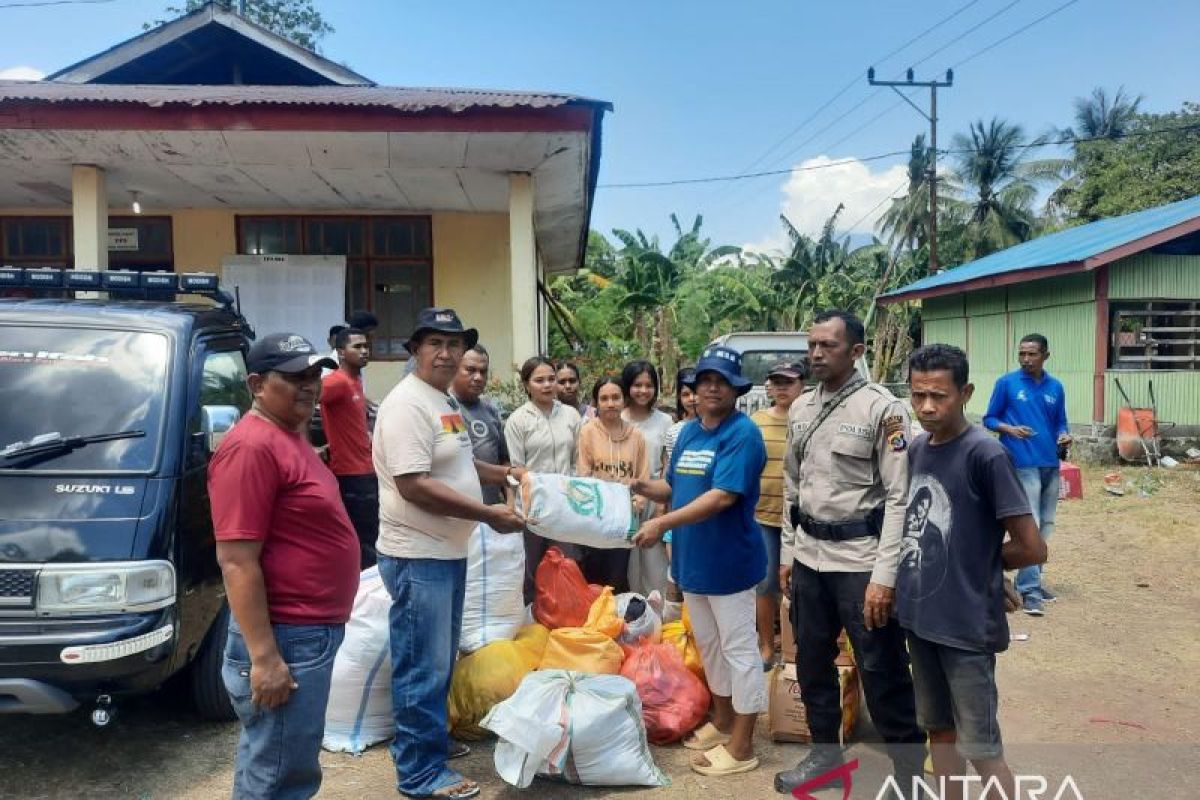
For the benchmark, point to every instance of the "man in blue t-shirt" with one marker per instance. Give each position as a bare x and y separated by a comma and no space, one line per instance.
963,496
718,556
1029,410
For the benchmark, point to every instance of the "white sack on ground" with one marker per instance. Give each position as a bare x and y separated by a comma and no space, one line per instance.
586,729
494,605
359,713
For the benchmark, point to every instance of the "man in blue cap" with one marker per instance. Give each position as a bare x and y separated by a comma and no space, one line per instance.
718,557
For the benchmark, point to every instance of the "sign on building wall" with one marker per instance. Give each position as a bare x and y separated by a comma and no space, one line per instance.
292,294
122,240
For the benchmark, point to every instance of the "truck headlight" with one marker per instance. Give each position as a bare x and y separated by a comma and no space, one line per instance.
115,586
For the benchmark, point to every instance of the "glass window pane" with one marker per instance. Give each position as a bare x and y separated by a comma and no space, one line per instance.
224,381
270,236
334,237
399,291
358,277
34,238
404,237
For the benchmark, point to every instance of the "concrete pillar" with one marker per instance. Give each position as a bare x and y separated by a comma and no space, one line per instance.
89,212
523,267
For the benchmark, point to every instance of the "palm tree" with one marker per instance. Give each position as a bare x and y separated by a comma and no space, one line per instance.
1001,182
1098,117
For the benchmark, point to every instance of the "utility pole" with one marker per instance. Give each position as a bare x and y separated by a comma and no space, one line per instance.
933,120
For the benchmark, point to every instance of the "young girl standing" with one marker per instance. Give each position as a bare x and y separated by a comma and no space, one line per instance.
648,568
613,450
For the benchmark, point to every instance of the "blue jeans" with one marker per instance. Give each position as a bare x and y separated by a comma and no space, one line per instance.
425,622
277,753
1041,488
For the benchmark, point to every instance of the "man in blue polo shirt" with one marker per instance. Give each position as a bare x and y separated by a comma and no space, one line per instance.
1029,410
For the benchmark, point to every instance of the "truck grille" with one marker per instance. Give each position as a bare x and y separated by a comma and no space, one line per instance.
16,587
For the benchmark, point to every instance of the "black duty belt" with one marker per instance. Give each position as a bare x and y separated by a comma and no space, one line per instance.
838,531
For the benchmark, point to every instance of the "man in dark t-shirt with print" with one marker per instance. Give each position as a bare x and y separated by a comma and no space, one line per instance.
481,415
289,559
344,415
951,597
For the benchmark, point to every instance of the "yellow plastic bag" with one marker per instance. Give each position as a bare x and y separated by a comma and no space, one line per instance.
602,616
582,650
490,675
679,633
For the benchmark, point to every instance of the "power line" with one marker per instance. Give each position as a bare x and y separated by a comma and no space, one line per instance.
40,3
853,82
850,228
1017,32
881,156
964,34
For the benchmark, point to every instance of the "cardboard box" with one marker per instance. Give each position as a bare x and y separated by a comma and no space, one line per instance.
787,720
787,639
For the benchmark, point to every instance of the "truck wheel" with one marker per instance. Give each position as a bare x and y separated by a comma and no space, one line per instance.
208,690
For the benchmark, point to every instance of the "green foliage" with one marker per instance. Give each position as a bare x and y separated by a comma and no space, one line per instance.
1142,170
295,20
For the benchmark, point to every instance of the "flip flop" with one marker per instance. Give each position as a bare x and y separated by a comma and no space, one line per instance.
720,762
456,791
705,738
458,750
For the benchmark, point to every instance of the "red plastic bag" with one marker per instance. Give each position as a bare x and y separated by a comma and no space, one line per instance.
674,700
563,596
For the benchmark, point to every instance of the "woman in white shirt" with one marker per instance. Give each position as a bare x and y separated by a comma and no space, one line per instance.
541,436
649,567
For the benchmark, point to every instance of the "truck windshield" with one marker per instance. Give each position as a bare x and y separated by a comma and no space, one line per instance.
757,363
80,382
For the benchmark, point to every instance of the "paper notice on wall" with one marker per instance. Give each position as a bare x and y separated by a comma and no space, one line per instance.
293,294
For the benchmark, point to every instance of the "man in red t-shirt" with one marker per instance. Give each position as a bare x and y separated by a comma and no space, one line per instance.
289,557
344,416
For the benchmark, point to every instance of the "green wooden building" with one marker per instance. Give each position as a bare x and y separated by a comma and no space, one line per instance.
1118,299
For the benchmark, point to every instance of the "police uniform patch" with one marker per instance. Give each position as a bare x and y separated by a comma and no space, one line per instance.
861,431
897,441
894,424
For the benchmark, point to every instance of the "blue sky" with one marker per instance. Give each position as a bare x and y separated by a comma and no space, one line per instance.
704,88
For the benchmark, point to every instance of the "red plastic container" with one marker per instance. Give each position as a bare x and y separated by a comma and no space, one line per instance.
1071,485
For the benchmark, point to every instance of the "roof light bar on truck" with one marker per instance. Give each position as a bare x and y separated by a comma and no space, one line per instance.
121,283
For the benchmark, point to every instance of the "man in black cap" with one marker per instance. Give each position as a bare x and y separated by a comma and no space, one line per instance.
430,500
289,557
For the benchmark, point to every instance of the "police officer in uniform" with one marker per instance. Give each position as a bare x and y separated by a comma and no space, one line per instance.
846,488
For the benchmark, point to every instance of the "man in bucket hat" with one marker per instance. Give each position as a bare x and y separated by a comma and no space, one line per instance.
430,500
718,558
289,558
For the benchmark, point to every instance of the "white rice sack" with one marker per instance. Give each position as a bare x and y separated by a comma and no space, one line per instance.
586,511
494,605
359,713
586,729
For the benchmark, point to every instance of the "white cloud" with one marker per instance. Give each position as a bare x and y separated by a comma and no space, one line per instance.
811,195
21,73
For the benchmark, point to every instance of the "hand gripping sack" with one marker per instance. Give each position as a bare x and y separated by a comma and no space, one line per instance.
586,729
641,620
585,511
359,712
489,676
674,700
563,597
493,606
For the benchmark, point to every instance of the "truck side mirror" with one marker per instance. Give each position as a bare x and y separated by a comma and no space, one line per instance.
215,422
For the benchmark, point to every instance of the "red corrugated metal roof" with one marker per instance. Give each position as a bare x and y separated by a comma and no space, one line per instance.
393,97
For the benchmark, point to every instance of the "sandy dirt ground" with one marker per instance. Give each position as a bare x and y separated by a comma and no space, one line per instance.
1103,691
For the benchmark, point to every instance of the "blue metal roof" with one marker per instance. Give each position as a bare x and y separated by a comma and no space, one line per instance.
1071,246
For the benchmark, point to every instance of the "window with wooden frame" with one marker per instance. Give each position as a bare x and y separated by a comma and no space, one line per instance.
1155,334
154,250
389,264
35,241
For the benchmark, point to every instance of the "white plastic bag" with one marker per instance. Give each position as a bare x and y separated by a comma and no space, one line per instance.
585,511
359,713
494,605
648,625
586,729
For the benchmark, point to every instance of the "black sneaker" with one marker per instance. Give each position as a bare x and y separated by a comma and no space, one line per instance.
820,759
1032,605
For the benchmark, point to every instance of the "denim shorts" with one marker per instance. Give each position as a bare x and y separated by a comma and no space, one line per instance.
277,753
769,586
956,690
